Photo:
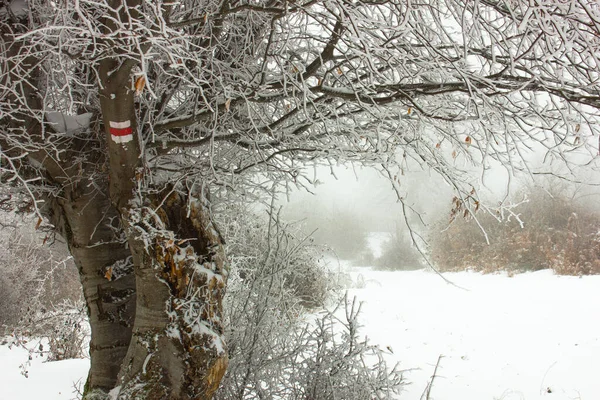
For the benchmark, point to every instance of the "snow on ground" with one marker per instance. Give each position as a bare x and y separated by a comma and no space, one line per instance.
47,380
532,336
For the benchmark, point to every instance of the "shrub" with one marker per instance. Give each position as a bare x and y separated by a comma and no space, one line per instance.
60,332
41,307
557,233
275,350
33,274
398,254
291,257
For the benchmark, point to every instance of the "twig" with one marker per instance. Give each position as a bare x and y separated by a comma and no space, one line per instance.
427,391
77,390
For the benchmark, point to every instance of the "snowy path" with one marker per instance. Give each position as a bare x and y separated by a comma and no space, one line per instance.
533,336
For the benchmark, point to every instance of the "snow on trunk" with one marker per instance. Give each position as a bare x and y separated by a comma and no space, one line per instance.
178,350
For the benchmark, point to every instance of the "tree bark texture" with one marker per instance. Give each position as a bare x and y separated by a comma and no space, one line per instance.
177,350
86,221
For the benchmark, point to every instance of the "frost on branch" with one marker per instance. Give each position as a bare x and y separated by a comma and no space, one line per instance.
69,124
278,350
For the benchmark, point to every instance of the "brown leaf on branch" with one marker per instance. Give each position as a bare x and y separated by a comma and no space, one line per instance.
140,83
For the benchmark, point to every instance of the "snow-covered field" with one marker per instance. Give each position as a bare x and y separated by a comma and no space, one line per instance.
48,381
531,336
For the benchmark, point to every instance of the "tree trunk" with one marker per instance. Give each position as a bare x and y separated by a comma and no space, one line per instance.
177,349
82,213
162,265
106,274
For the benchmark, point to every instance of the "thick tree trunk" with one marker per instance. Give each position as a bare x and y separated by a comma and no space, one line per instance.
106,273
177,350
153,282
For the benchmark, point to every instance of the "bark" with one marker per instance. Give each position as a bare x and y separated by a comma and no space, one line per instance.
177,350
106,274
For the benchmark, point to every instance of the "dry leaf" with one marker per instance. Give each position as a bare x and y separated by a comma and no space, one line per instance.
227,104
409,110
108,273
577,127
437,146
339,71
140,82
454,154
39,222
468,140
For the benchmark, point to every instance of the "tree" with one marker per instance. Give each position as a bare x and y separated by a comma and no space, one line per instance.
123,122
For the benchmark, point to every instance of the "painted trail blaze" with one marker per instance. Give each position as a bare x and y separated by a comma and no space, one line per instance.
121,132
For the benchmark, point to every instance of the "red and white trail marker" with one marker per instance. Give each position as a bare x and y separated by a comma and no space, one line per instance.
120,132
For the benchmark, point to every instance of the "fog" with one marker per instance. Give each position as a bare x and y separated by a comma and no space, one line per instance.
367,193
350,201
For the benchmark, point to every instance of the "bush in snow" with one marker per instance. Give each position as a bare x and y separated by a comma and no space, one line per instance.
58,333
276,350
20,263
257,246
398,254
39,292
338,364
556,232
